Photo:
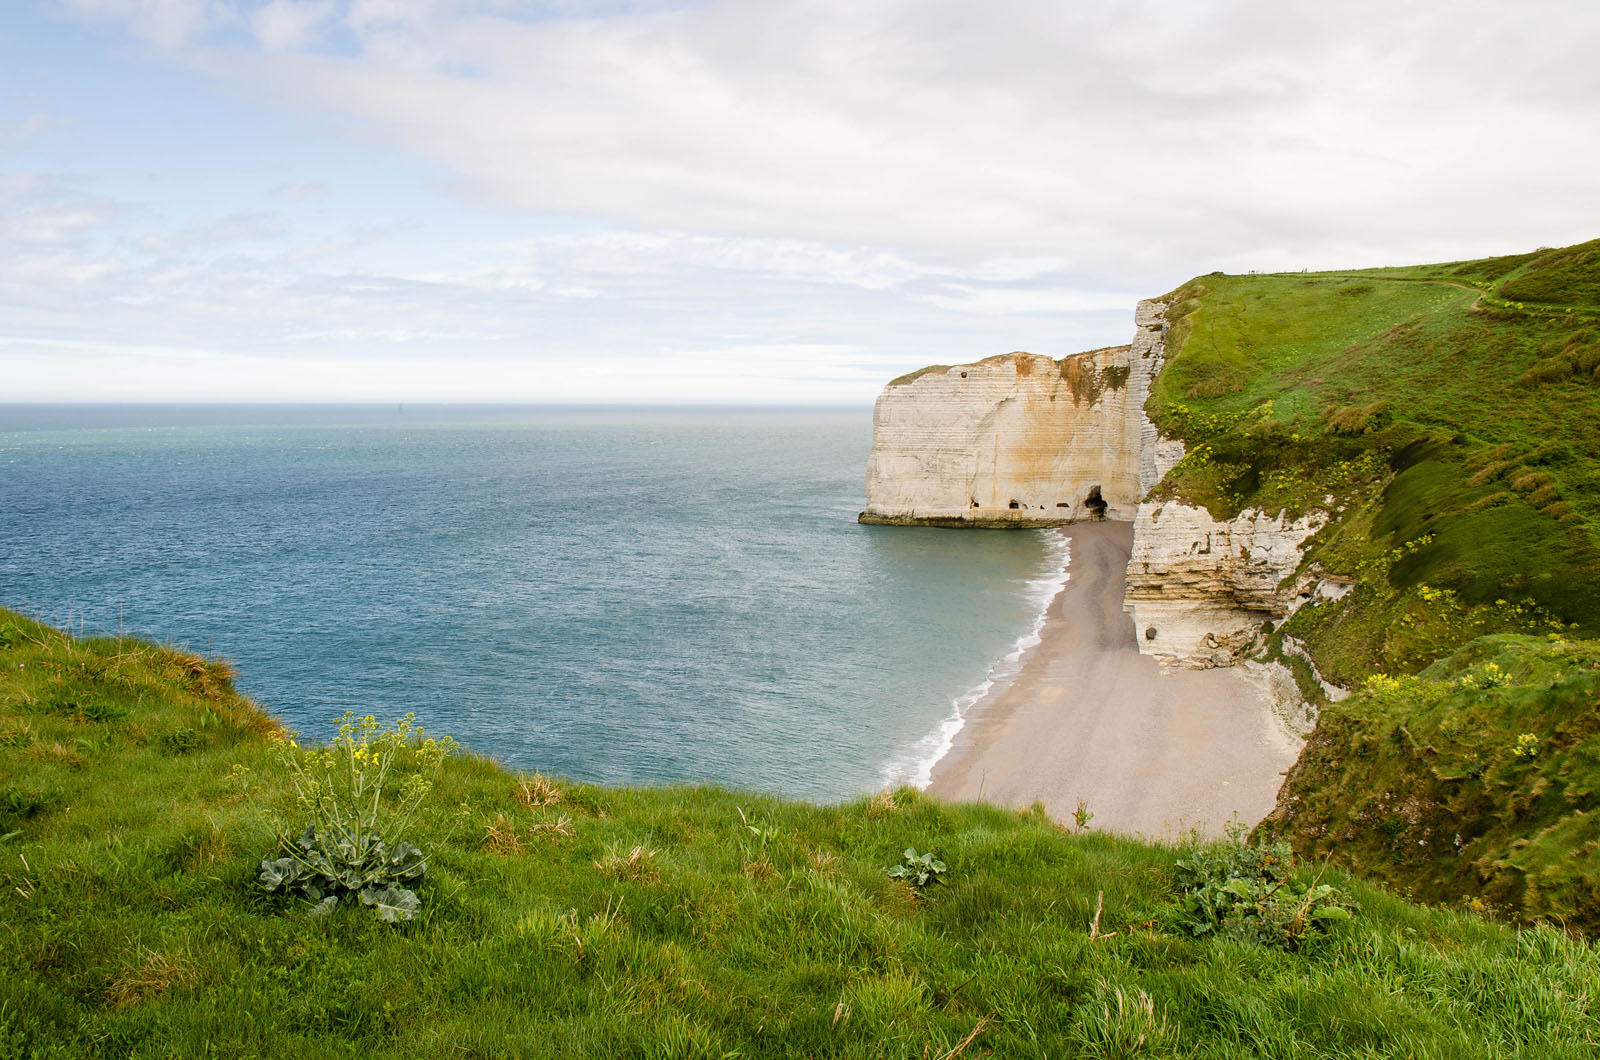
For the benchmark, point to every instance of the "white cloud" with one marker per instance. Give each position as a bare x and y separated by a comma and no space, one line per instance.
1094,130
742,374
285,24
37,210
1006,301
164,23
297,192
854,188
20,133
250,227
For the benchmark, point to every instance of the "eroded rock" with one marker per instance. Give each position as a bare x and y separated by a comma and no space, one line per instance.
1207,585
1019,439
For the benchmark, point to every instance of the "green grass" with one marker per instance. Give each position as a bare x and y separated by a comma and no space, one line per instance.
1429,408
1478,777
140,793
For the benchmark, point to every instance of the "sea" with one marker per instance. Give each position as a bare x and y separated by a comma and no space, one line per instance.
623,596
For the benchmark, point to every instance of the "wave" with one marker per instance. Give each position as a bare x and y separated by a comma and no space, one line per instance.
915,767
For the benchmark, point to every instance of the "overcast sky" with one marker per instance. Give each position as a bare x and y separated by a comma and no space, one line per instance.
781,201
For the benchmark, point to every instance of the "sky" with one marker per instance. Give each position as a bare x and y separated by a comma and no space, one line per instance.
754,202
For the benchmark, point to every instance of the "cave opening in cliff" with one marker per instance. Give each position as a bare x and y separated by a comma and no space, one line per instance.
1095,503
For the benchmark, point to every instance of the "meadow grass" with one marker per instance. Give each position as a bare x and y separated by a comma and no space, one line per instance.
140,794
1412,405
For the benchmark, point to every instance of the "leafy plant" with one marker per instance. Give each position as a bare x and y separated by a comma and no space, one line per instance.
920,870
352,850
1248,892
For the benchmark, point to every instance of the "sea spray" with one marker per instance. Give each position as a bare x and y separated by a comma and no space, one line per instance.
915,766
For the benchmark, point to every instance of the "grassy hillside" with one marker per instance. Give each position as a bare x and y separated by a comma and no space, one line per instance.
139,795
1455,428
1478,777
1449,416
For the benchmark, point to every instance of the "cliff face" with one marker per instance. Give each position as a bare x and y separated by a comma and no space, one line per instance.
1022,440
1200,588
1017,440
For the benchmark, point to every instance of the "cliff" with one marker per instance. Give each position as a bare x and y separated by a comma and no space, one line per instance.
1021,440
1200,589
1382,483
1014,440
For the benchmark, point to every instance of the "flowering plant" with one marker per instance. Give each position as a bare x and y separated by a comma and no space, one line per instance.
351,850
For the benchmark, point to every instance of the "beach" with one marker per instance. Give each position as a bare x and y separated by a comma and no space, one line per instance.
1149,750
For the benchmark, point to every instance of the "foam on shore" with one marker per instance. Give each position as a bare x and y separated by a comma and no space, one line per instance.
915,767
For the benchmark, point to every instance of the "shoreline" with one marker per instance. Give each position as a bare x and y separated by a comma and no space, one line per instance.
1151,751
935,747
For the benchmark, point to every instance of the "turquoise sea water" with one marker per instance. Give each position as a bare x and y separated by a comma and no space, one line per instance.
617,596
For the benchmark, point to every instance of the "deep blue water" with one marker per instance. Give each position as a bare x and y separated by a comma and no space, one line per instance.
617,596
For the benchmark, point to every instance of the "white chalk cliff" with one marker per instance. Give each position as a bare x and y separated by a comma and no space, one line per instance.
1018,439
1023,440
1200,588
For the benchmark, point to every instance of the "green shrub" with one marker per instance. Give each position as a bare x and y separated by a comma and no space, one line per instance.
920,870
1248,892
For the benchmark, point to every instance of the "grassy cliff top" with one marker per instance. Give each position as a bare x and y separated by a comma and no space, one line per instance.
1447,415
1479,777
139,794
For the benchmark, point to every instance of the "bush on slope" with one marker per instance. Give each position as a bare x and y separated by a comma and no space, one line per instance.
1477,778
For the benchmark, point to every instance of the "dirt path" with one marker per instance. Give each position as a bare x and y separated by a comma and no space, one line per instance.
1150,751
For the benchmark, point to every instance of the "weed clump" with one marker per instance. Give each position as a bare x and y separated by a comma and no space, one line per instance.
1123,1023
352,850
919,870
1248,892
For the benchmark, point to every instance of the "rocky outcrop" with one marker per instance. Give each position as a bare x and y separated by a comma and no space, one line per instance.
1293,710
1200,588
1157,455
1015,440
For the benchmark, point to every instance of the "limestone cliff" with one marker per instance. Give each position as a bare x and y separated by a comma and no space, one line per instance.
1199,588
1014,440
1022,440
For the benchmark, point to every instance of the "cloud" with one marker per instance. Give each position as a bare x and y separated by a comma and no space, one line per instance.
1149,135
299,192
164,23
103,371
1096,130
251,227
646,190
285,24
20,133
1009,301
40,211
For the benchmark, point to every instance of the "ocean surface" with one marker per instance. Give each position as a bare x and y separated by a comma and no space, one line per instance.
621,596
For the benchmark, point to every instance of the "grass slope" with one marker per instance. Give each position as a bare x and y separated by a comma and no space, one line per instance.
1452,427
139,792
1479,776
1449,416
